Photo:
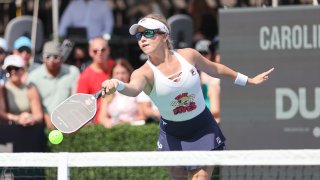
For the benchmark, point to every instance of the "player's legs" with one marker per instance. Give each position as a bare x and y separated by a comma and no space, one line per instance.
178,173
203,173
204,134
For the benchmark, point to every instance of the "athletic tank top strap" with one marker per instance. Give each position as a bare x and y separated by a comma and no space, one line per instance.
151,65
183,62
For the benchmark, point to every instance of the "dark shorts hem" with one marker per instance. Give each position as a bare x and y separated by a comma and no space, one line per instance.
221,147
201,133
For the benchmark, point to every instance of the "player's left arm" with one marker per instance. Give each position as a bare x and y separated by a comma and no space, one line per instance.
214,98
212,69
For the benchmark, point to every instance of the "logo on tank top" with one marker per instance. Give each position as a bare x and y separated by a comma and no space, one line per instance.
183,103
193,72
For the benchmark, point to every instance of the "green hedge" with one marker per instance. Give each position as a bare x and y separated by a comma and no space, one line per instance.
96,138
93,138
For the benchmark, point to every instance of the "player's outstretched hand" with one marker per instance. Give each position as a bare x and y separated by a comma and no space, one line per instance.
260,78
110,86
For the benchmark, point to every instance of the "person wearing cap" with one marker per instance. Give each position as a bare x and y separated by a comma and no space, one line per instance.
22,47
210,85
21,115
3,54
21,104
55,81
171,80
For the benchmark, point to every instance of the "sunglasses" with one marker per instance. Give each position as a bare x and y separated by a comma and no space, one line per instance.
95,51
55,58
24,49
203,53
149,33
11,68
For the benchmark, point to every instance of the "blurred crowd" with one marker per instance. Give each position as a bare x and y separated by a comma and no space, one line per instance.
123,13
31,91
32,85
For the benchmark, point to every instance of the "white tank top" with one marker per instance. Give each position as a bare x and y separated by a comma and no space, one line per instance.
178,101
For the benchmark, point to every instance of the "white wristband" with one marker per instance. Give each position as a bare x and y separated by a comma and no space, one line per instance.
120,86
241,79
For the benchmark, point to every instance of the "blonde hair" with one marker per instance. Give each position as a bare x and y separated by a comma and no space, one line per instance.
165,22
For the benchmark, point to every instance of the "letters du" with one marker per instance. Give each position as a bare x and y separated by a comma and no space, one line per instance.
298,104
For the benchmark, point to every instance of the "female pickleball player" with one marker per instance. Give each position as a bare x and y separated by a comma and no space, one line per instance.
171,79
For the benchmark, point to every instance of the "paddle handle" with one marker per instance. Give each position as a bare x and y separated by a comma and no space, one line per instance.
98,94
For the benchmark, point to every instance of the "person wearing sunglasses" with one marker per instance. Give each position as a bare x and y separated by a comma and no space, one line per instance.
55,80
22,47
99,70
18,92
170,77
20,110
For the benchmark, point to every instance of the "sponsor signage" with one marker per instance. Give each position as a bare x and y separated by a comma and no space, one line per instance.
283,113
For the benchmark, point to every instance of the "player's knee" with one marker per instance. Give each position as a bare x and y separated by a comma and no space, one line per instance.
201,173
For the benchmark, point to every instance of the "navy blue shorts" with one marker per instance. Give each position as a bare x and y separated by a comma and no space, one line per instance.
201,133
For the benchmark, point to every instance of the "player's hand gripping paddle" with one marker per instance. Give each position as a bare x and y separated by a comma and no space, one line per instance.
75,111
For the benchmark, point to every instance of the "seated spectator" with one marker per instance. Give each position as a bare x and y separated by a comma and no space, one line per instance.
3,54
91,78
22,48
20,108
210,85
147,109
55,81
118,108
141,8
204,19
94,15
79,58
215,51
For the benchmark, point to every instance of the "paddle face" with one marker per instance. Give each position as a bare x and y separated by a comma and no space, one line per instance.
74,112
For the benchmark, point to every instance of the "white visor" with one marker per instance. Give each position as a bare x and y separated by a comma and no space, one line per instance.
149,23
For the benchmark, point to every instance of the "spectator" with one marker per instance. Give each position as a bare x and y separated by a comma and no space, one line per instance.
118,108
147,109
93,15
210,85
21,107
215,51
22,48
3,54
79,58
55,81
204,20
140,8
99,70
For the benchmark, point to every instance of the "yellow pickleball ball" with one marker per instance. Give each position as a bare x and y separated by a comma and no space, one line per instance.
55,137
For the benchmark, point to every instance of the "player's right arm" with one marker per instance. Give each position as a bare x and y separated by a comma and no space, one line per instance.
137,83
